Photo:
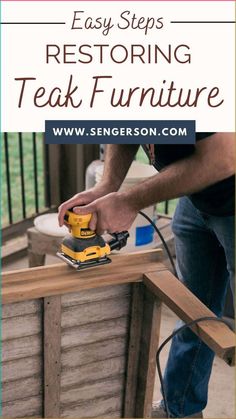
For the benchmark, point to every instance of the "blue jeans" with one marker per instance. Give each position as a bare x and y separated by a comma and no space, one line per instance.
205,263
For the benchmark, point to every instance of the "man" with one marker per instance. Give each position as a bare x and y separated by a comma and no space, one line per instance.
203,225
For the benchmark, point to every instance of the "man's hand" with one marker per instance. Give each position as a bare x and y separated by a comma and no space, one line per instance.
111,213
118,160
82,198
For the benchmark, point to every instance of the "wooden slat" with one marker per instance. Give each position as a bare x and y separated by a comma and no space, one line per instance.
21,309
95,332
21,368
188,307
163,222
93,390
21,347
13,246
28,407
19,389
61,269
94,352
147,358
52,356
93,295
95,312
133,351
92,372
18,327
60,279
98,408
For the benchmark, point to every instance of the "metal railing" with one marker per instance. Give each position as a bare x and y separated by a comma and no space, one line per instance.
25,177
29,179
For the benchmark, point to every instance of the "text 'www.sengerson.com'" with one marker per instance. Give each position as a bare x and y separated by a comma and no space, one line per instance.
119,131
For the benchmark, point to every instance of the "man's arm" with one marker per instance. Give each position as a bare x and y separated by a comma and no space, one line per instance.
212,161
117,162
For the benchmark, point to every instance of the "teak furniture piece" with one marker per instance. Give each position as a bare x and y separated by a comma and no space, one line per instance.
83,344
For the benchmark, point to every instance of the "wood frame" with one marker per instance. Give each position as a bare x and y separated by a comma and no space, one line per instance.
151,284
52,356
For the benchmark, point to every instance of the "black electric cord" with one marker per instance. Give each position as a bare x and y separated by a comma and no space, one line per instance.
182,328
185,326
162,239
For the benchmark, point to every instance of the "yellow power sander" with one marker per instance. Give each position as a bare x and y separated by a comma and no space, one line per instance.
83,248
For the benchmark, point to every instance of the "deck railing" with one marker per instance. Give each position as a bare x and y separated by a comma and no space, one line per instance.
28,178
25,177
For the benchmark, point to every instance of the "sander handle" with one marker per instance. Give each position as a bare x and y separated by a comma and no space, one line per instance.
119,240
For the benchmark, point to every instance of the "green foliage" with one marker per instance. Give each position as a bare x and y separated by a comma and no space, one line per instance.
15,177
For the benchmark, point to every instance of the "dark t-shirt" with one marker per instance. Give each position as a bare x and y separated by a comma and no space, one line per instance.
218,199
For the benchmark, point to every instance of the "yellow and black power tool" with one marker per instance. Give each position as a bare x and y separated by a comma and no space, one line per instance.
83,248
